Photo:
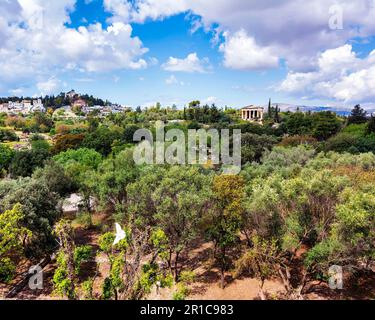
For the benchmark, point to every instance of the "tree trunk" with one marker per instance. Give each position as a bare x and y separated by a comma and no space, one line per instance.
170,262
176,266
223,268
262,295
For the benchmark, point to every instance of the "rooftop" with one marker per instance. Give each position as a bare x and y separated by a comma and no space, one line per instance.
252,108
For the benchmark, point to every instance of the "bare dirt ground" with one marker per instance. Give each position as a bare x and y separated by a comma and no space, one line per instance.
199,259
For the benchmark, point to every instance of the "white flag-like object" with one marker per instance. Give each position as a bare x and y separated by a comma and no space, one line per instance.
120,234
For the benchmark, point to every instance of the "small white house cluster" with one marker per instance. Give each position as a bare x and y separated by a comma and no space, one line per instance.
24,107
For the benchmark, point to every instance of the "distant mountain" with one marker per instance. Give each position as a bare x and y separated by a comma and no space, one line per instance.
342,111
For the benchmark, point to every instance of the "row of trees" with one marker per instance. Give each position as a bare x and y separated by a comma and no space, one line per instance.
291,199
288,197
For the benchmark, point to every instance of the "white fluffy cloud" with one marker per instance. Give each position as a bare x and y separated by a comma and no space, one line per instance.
241,52
172,80
50,86
259,34
341,75
36,43
295,29
190,64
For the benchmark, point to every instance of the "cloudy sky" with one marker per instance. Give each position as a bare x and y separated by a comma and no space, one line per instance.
235,53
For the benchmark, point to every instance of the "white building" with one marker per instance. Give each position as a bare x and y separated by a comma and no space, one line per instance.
26,104
24,107
252,114
37,106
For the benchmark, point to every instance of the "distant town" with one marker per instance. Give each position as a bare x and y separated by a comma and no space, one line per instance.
72,105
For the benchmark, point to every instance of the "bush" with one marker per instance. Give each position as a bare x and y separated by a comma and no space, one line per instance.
8,135
7,270
187,277
6,156
254,145
357,130
40,145
295,141
81,254
67,141
86,157
101,140
87,289
181,293
84,220
25,162
343,142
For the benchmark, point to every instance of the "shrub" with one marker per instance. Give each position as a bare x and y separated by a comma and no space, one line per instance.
7,270
87,289
181,293
343,142
357,130
8,135
67,141
294,141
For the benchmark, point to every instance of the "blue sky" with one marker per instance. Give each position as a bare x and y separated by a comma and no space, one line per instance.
144,51
173,37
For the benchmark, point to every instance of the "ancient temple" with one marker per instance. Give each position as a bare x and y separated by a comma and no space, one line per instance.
253,114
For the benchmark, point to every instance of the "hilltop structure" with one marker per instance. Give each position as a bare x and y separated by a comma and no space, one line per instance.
253,114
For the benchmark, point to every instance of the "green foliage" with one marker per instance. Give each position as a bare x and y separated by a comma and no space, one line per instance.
87,158
356,220
8,135
112,178
6,156
151,274
225,217
87,288
81,254
41,211
63,285
129,131
12,234
84,220
67,141
356,130
295,141
187,277
101,140
55,178
325,125
204,114
299,124
319,258
180,200
181,293
40,145
371,125
106,242
116,272
7,270
260,261
321,125
107,291
25,162
253,146
343,142
357,116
